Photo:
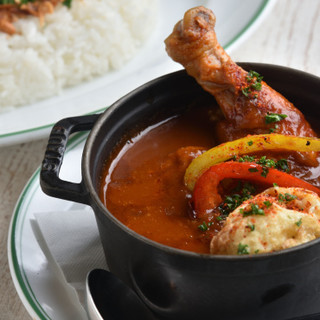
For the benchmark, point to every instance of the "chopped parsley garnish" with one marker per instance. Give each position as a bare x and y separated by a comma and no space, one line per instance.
246,158
67,3
253,83
253,75
299,222
251,227
231,202
266,163
282,165
264,172
243,248
286,197
254,210
205,226
246,91
256,86
250,143
267,203
274,117
275,185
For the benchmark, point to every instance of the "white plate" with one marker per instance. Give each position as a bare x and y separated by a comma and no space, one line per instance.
235,21
40,287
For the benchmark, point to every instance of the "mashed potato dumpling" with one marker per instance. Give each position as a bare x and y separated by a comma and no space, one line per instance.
275,219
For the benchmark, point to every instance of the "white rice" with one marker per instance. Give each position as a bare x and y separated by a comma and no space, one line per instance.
74,45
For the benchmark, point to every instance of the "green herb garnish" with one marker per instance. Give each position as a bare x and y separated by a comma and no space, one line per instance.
251,227
265,171
254,210
253,75
286,197
264,161
246,158
282,165
67,3
256,86
243,248
274,117
243,191
203,226
299,222
246,91
230,203
267,203
253,80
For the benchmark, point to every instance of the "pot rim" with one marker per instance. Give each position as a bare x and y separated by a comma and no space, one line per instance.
85,167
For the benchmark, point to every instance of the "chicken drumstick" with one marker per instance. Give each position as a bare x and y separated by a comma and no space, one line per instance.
249,105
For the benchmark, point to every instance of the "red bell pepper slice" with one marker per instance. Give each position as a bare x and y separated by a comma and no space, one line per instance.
206,196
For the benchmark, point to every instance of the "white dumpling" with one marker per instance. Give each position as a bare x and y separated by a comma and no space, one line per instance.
275,219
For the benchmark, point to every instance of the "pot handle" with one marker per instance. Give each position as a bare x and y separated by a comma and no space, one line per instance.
50,182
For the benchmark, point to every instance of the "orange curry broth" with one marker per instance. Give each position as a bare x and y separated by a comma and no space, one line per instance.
142,184
143,187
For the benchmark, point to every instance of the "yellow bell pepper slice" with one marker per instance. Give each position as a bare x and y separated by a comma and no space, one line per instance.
246,145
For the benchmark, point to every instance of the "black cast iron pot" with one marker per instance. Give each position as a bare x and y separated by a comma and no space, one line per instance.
174,283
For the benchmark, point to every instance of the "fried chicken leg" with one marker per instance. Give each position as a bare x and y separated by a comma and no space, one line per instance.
246,101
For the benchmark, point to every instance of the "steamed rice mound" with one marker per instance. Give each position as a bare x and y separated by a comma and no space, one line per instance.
73,45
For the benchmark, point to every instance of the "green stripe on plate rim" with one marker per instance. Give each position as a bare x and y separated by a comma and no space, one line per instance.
27,195
74,142
47,126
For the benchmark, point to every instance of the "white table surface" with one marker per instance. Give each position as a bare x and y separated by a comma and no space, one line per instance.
289,36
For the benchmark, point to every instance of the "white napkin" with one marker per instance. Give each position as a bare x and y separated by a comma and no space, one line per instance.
71,243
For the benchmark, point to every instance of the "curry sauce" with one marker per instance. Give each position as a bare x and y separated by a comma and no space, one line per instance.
143,184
